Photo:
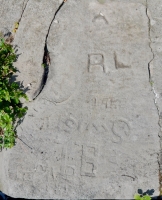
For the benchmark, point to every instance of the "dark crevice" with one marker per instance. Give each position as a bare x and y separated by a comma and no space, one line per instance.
46,63
53,20
46,56
149,72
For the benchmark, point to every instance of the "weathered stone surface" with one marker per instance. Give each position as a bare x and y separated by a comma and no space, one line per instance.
93,130
30,38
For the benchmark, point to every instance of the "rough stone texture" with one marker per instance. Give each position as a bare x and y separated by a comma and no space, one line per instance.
93,130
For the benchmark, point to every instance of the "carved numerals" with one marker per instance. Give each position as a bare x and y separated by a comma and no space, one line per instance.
81,159
103,102
89,160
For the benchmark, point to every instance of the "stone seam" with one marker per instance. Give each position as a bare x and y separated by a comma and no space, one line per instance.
156,96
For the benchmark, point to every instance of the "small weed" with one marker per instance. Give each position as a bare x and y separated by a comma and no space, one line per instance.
1,34
142,197
16,26
151,83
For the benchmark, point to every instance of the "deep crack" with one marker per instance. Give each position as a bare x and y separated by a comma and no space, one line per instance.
46,63
46,56
53,20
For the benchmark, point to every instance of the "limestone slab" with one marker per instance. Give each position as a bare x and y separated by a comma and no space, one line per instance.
93,130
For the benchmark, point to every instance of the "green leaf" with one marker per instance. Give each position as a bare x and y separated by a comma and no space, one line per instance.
146,197
137,197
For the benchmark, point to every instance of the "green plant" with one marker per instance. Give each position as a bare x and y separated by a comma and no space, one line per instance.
11,107
1,34
142,197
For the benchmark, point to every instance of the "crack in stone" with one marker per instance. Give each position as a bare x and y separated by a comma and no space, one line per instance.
46,56
53,20
156,95
9,35
24,7
129,176
25,143
149,36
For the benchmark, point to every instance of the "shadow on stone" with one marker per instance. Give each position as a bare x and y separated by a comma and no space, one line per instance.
148,192
5,197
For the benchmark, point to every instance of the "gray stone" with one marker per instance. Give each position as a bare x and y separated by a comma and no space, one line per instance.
31,36
93,130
